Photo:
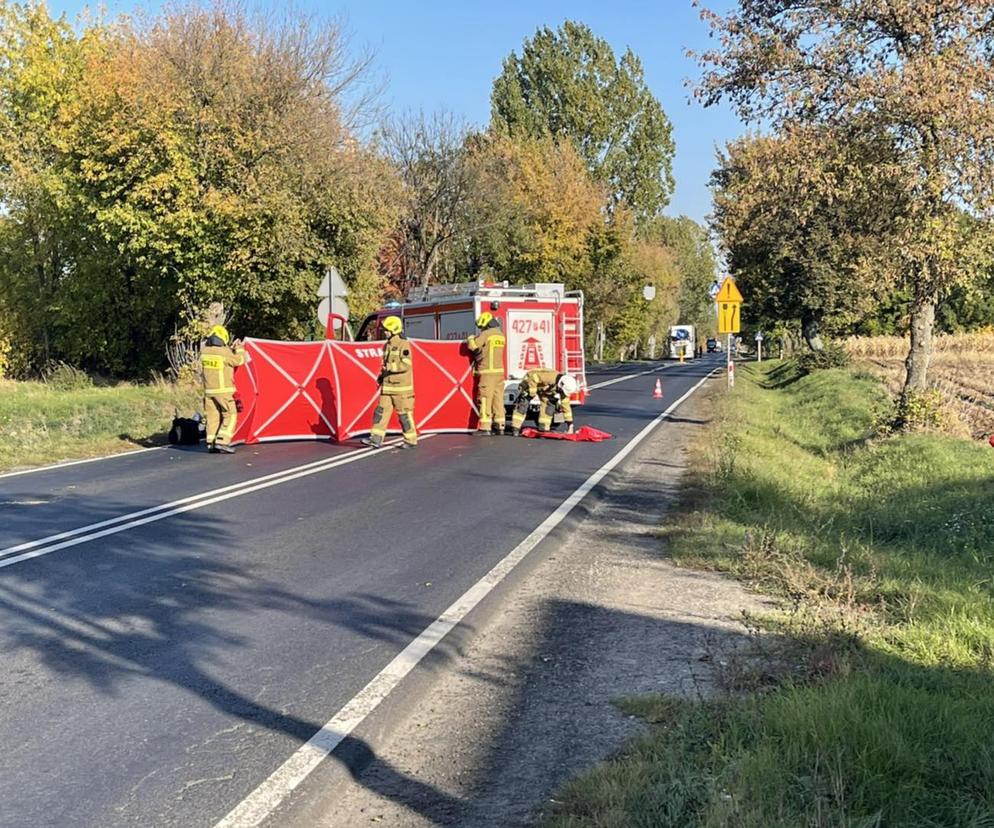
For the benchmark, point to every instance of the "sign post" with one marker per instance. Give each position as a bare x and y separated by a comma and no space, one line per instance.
728,303
759,346
332,293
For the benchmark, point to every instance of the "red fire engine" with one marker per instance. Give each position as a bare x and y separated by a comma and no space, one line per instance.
543,324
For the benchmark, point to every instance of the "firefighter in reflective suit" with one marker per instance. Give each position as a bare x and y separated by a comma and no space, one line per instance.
553,391
219,360
487,348
396,388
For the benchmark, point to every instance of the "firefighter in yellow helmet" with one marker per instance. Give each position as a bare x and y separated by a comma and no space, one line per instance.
487,348
553,391
396,388
219,358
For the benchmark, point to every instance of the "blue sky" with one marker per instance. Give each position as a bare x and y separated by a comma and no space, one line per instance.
445,55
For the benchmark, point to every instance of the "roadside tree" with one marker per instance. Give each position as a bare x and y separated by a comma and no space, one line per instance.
569,84
806,220
918,74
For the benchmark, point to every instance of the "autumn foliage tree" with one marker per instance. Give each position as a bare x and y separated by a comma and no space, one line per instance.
806,219
918,74
205,155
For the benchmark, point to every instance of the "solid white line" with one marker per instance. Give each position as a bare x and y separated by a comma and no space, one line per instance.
92,527
80,462
260,483
259,804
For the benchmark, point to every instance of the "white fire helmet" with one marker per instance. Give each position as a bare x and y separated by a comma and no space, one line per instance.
568,385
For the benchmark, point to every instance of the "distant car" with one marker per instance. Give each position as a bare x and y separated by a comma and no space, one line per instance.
712,345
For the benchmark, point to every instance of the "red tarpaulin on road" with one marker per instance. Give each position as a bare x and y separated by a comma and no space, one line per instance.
585,434
328,389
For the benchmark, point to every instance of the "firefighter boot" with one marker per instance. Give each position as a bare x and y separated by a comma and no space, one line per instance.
372,442
224,448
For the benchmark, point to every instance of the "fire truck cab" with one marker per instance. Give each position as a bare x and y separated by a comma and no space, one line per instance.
543,324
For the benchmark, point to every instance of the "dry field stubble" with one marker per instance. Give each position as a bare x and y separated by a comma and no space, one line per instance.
962,371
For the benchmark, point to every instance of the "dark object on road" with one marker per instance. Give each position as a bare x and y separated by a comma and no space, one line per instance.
184,432
586,434
712,345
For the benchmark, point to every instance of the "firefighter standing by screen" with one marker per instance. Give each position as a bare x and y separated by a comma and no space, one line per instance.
553,391
487,348
219,360
396,388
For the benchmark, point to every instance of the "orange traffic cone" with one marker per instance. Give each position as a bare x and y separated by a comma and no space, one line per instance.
658,393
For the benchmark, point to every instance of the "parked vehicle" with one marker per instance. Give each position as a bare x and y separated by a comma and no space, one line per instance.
683,340
543,324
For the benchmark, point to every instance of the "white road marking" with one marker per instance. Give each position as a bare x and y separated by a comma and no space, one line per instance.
268,796
92,527
54,466
626,377
122,523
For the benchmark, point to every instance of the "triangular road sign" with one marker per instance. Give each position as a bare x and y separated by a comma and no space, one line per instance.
728,292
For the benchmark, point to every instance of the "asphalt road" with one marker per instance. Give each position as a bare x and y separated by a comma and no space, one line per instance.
160,665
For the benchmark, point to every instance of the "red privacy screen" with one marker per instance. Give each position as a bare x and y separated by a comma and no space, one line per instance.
328,389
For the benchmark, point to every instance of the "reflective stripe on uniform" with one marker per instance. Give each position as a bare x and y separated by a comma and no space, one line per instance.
397,389
218,392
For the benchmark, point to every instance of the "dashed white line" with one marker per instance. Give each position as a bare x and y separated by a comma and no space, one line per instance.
625,377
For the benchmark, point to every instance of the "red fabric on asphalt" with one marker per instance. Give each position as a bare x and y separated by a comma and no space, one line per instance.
586,434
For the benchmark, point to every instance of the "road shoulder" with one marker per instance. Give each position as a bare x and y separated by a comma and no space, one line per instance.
528,702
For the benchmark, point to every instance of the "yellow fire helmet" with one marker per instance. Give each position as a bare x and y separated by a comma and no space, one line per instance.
393,325
221,333
484,319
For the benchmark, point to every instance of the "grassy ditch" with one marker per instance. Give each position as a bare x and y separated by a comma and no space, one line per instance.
869,698
40,423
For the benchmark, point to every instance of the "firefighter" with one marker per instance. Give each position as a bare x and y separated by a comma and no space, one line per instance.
396,388
487,349
219,360
553,391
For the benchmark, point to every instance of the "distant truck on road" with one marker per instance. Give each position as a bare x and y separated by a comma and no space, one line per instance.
683,340
543,324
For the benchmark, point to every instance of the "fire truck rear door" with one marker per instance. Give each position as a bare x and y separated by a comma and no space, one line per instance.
531,341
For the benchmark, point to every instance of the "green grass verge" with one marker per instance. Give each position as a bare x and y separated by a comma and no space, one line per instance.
40,424
881,712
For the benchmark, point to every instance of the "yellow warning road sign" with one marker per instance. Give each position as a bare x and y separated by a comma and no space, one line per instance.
728,301
728,292
728,317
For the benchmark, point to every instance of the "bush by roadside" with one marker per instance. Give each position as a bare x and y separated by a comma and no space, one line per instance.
867,700
41,422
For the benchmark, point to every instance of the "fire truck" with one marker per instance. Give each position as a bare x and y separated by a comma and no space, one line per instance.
543,324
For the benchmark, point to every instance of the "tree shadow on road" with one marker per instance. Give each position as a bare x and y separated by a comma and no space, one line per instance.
167,604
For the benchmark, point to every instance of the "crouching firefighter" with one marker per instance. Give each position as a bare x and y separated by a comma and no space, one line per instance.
219,360
396,388
487,348
553,391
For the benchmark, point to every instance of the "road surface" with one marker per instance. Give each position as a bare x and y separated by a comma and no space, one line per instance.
175,625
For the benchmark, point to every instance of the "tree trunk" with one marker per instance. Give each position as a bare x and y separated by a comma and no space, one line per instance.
920,353
811,331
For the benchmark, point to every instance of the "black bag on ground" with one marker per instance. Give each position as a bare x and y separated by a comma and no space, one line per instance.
184,432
